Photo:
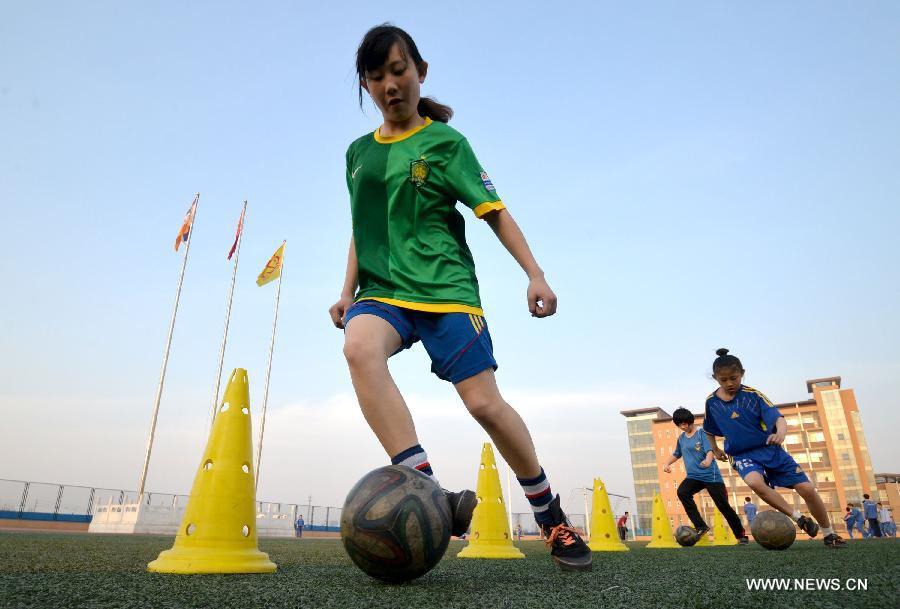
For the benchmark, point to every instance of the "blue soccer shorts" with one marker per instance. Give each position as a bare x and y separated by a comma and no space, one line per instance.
777,467
458,344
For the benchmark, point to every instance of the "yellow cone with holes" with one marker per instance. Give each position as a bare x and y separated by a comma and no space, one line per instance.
705,540
218,533
662,528
604,534
722,535
489,536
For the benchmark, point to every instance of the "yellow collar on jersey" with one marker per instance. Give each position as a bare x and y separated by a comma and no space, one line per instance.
390,139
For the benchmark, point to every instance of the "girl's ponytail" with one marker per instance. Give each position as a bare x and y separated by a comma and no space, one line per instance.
429,107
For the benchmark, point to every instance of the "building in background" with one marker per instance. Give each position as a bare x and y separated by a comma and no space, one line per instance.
889,490
824,435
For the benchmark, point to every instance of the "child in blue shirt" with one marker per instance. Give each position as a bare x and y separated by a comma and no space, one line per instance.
871,513
754,429
749,511
702,473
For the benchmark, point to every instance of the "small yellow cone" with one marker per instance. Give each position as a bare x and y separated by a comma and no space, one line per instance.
604,534
722,535
704,541
218,533
662,529
490,536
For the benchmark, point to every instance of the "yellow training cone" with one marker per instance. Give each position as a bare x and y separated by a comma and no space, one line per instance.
604,534
490,536
662,528
722,535
218,533
704,540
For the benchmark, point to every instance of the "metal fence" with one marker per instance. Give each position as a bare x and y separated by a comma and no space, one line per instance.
24,500
68,503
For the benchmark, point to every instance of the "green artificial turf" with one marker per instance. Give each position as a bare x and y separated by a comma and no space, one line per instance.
79,570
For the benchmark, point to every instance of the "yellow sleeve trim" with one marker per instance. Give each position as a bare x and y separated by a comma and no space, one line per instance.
487,207
429,307
390,139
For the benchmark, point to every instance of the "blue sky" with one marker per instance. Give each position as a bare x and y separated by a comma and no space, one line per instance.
690,177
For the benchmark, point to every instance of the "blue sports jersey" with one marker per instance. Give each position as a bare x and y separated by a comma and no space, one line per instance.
693,450
870,509
745,421
750,511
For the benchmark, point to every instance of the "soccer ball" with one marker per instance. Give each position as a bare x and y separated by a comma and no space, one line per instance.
686,536
773,530
395,524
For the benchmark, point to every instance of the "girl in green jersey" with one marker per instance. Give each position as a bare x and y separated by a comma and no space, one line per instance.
410,276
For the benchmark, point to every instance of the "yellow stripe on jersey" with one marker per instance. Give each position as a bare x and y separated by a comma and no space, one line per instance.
760,394
428,307
488,206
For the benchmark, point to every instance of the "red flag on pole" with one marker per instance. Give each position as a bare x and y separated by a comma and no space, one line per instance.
237,236
185,231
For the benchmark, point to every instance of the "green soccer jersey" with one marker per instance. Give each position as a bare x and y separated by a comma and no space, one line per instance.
410,239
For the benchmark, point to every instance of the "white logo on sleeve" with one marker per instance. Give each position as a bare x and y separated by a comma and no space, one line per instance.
353,175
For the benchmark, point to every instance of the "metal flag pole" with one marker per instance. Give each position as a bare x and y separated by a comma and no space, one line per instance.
162,375
262,423
509,501
237,255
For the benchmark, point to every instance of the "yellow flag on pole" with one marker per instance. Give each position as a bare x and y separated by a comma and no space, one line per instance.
273,267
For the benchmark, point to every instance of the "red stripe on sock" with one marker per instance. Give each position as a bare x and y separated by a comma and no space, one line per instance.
538,495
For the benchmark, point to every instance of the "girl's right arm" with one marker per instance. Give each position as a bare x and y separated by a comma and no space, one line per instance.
717,452
338,309
667,467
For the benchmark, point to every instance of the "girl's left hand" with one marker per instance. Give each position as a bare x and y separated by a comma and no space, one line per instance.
541,299
775,438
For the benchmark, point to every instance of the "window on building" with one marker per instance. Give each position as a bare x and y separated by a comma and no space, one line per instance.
841,436
845,456
816,436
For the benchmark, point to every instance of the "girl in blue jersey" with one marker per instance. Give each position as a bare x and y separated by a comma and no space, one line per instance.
754,429
391,71
702,472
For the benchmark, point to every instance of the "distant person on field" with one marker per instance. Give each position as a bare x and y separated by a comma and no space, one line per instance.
749,511
870,511
622,525
853,520
884,520
298,527
519,532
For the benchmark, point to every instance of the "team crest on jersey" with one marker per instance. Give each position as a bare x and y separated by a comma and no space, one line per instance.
798,470
734,415
698,446
419,170
488,185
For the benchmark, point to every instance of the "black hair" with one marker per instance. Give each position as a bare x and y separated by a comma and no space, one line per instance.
746,498
373,51
682,415
865,495
726,361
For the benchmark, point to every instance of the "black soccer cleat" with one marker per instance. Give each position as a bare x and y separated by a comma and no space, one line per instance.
462,505
834,541
566,546
808,525
701,532
743,540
